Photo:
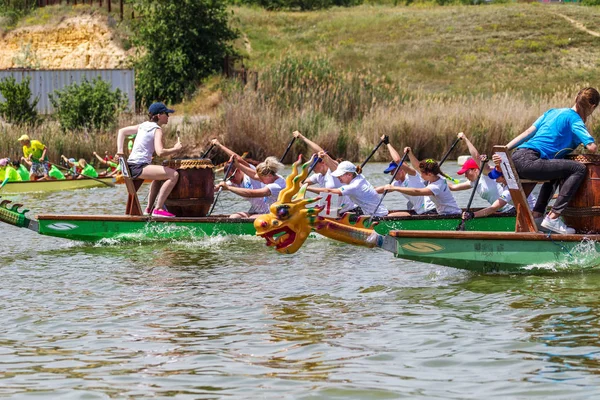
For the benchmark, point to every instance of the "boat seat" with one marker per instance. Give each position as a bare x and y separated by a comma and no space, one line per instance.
133,203
525,221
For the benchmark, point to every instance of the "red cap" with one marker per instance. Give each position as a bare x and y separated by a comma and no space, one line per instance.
469,164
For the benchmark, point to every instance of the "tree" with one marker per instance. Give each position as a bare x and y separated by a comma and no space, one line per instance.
18,108
181,42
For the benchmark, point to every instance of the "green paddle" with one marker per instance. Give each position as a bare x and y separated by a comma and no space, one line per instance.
3,183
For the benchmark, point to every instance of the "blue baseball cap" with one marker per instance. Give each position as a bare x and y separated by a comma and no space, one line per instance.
391,168
495,174
159,108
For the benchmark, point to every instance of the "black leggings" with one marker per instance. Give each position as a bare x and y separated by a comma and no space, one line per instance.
566,173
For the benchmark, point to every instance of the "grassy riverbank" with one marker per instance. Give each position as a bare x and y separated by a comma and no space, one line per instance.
420,74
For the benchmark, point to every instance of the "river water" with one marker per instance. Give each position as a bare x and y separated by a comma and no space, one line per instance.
225,317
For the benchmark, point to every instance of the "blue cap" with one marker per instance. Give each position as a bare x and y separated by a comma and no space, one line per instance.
391,168
159,108
495,174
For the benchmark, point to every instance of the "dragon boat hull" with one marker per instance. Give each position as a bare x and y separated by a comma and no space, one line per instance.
53,186
496,251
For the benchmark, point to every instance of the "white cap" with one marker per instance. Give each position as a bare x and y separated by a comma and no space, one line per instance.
344,167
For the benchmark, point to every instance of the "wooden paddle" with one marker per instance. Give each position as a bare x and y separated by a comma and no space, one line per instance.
288,149
391,181
225,179
386,140
109,184
461,226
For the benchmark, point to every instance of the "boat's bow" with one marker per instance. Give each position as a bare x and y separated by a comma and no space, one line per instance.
10,214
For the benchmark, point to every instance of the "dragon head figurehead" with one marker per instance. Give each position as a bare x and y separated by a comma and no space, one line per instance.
290,221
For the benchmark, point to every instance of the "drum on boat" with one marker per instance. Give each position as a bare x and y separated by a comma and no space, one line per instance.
193,194
583,211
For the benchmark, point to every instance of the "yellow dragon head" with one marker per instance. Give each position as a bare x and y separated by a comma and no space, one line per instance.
290,221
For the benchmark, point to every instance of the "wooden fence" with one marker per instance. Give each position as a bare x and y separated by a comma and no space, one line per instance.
101,3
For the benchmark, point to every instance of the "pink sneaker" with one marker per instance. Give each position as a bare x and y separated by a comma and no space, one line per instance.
162,213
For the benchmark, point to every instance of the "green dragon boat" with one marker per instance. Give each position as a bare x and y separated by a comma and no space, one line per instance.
94,228
54,185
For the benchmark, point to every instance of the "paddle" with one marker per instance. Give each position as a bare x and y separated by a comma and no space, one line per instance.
207,151
458,139
382,141
4,182
391,181
227,176
109,184
288,149
461,226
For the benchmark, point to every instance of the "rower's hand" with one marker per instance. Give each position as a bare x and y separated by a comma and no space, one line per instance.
322,154
460,135
407,149
297,134
497,159
467,215
178,145
94,153
388,187
385,139
215,142
222,185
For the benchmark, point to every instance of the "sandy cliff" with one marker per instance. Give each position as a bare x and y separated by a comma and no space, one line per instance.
79,42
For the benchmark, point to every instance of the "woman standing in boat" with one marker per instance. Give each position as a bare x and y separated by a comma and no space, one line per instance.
437,189
267,173
149,139
540,152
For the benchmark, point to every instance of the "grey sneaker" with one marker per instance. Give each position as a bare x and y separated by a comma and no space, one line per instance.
557,225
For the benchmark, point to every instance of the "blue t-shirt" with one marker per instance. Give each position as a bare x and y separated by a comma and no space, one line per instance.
558,132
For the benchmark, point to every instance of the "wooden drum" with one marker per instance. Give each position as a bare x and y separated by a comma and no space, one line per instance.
583,211
193,194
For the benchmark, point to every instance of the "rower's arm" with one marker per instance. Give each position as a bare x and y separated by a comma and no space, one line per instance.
393,152
409,191
324,190
592,147
521,138
229,152
123,133
498,204
460,186
102,160
330,162
413,160
262,192
312,145
245,168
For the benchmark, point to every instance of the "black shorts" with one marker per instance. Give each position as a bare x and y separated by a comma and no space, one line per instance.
136,169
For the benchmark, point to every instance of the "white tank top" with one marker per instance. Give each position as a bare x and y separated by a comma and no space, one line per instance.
143,147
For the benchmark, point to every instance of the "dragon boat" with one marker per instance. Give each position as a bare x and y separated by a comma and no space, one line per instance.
524,249
54,185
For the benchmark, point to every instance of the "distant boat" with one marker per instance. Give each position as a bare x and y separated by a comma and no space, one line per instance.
54,185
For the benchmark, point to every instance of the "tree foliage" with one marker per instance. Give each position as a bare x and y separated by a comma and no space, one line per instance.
88,105
15,9
17,107
181,42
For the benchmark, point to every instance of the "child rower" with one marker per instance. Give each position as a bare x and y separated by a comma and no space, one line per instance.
358,190
21,170
487,188
409,178
7,172
112,164
437,189
87,170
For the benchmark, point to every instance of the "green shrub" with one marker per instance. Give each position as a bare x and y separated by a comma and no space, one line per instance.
13,10
88,105
17,108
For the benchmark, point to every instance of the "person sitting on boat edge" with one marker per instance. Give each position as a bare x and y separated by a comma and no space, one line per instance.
487,188
437,189
322,173
541,149
149,139
23,173
357,188
505,197
407,177
36,153
267,173
7,172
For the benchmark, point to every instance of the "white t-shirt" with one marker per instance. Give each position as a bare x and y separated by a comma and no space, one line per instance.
505,195
143,147
363,194
275,188
258,205
490,190
331,182
420,204
443,198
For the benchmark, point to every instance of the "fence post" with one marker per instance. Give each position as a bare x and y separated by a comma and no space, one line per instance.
121,9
